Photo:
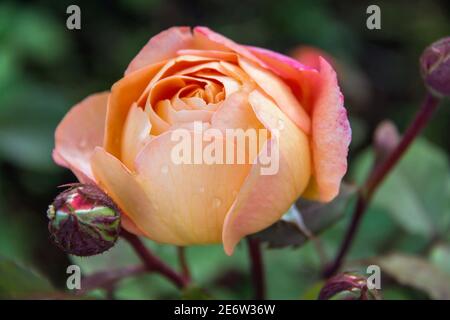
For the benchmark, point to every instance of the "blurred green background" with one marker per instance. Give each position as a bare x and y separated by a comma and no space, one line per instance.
46,68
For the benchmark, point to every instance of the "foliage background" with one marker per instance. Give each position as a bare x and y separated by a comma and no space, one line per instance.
45,69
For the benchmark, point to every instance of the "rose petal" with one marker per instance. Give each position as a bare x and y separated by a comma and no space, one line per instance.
224,43
320,95
123,94
280,93
165,110
219,55
191,198
161,47
263,199
302,79
127,193
172,67
331,134
135,134
236,113
81,130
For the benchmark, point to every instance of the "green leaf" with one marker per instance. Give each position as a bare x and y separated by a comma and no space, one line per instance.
417,273
415,193
440,257
18,282
299,225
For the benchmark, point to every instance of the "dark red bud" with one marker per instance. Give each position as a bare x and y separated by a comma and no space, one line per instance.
435,67
84,221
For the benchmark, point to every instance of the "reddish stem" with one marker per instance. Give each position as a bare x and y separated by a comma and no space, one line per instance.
183,262
380,172
153,263
257,268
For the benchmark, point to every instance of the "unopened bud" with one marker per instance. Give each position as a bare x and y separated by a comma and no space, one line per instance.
386,139
435,67
84,221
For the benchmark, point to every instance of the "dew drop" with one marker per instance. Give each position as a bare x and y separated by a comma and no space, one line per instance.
83,143
164,169
280,124
217,202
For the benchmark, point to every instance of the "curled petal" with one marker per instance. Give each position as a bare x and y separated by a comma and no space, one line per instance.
302,79
264,198
331,134
224,43
121,185
280,93
123,94
81,130
161,47
319,93
135,134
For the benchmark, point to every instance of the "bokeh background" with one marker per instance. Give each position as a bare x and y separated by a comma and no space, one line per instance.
46,68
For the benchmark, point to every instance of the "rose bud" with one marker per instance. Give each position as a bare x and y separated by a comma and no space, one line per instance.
385,140
347,286
123,140
84,221
435,67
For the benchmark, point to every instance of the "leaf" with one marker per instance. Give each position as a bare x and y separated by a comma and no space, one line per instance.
416,192
297,226
417,273
18,282
440,257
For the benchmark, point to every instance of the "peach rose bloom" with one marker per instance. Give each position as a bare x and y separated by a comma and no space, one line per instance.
121,139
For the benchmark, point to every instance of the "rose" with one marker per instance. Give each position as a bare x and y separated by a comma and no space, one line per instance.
121,140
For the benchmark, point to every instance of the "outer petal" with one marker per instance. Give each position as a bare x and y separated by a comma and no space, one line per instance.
77,135
161,47
280,93
122,187
331,137
310,56
224,43
320,95
263,199
190,198
302,79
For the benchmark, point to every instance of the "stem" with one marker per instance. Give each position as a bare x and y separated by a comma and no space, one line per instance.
183,262
106,279
257,268
153,263
380,172
429,105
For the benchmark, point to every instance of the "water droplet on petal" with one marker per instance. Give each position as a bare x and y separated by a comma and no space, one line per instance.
217,202
280,124
83,143
164,169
